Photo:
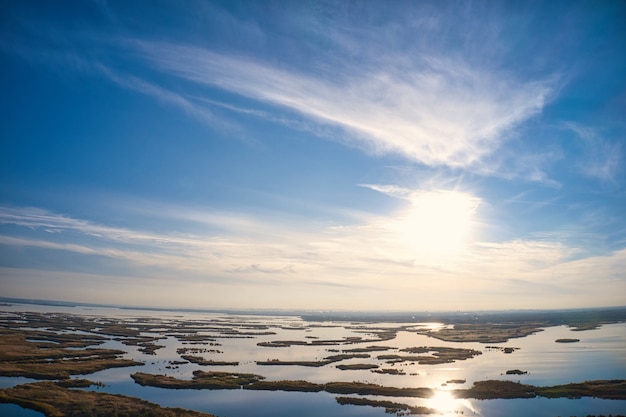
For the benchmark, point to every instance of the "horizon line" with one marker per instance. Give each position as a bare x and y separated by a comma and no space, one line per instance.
293,311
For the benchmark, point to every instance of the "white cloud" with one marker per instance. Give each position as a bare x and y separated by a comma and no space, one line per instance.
437,112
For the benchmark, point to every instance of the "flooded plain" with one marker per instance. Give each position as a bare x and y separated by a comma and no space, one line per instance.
289,348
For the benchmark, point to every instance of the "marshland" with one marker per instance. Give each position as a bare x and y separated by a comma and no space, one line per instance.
65,361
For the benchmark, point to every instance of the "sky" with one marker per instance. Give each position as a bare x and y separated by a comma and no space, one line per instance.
342,155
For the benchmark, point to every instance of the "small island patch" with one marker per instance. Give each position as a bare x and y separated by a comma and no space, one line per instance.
389,371
357,366
567,340
455,381
503,349
516,372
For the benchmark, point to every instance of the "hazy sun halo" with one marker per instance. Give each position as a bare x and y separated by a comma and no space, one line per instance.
438,223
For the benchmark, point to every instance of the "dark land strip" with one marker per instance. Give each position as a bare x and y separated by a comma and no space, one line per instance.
491,389
55,400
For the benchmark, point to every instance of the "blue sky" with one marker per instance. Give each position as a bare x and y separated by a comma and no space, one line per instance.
321,155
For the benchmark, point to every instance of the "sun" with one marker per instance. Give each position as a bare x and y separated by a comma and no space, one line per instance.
438,223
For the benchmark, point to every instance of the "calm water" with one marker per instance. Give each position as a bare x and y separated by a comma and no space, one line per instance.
12,410
600,354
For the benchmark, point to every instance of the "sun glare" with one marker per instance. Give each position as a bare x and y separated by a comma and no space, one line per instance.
442,401
438,223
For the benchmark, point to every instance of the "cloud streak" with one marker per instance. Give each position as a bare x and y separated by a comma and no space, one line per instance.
434,111
601,159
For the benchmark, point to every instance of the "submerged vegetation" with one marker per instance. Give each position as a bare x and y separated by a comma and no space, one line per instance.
326,361
203,362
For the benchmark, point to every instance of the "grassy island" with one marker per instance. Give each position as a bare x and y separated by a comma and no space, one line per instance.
567,340
299,386
54,400
146,344
200,380
436,355
455,381
614,389
516,372
607,389
490,389
368,349
390,406
389,371
362,388
356,366
486,332
44,360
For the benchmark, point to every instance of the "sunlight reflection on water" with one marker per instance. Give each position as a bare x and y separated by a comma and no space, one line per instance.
446,404
442,401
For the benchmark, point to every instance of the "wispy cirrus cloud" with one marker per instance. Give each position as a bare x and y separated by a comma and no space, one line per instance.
426,108
234,246
433,111
35,218
159,93
601,159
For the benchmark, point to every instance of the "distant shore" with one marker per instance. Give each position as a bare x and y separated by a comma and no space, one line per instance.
578,318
